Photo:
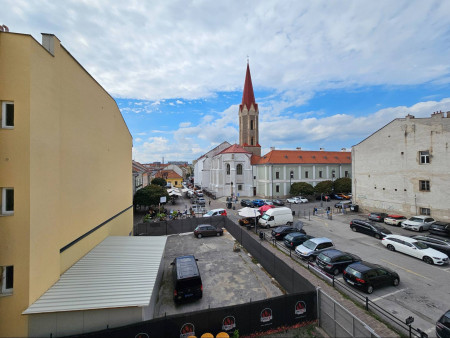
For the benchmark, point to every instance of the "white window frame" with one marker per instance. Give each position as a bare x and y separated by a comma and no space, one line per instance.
4,126
424,157
4,275
4,211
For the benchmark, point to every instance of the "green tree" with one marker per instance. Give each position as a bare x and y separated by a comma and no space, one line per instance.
301,188
159,181
150,195
324,187
343,185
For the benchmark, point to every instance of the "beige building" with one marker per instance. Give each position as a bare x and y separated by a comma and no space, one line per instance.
404,167
65,168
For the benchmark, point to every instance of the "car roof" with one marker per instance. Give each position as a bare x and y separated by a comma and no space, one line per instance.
214,210
394,216
333,253
421,216
363,266
440,223
320,240
296,234
403,238
438,238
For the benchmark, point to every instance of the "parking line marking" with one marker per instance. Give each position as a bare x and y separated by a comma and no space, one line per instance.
387,295
407,270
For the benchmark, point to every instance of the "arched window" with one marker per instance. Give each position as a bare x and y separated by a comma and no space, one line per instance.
239,169
228,169
251,124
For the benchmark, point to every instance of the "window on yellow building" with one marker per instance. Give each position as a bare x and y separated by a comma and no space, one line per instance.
7,279
7,115
7,201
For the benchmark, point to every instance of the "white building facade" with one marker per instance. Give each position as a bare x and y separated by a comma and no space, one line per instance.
404,167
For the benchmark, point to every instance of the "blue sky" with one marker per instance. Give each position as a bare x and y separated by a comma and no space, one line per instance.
326,74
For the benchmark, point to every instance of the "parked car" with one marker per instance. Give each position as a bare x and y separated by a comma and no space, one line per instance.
294,239
336,197
275,217
377,216
440,228
302,199
412,247
435,242
394,219
187,282
201,201
418,223
258,203
313,247
268,202
367,276
216,212
344,196
278,203
443,326
343,204
335,261
294,200
204,230
323,198
369,228
280,232
247,203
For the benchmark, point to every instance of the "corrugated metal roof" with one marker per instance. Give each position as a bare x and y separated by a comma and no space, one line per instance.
118,272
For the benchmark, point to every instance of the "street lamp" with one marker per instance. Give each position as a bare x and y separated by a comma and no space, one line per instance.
291,176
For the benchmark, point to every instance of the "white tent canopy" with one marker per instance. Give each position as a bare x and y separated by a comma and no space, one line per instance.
249,212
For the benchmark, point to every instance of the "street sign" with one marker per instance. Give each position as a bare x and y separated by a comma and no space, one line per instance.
162,199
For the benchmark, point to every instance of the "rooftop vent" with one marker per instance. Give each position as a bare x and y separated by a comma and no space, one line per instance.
322,149
300,148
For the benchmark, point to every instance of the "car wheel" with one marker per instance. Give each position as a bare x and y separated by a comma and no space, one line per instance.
428,260
420,229
377,236
336,272
353,229
396,281
391,247
369,289
199,236
219,234
311,258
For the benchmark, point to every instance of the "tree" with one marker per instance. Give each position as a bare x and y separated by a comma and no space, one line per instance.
324,187
343,184
301,188
159,181
150,195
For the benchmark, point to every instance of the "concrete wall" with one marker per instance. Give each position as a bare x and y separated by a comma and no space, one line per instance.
387,169
69,161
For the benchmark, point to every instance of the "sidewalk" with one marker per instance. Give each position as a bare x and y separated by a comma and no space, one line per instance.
380,328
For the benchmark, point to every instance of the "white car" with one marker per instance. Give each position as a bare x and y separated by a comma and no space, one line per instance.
215,212
294,200
394,219
412,247
302,199
418,223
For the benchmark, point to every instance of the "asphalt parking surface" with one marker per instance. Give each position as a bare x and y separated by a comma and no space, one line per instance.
228,277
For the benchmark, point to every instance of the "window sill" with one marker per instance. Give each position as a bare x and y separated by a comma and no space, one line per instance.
6,127
7,214
6,293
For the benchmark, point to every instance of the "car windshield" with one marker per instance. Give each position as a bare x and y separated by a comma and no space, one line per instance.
309,245
265,217
420,245
415,219
353,272
324,258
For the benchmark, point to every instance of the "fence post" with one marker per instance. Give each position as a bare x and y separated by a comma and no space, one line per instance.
367,303
333,279
318,305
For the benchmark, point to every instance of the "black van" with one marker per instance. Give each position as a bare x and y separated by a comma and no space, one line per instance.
187,282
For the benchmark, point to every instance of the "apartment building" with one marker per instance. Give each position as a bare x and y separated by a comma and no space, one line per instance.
65,168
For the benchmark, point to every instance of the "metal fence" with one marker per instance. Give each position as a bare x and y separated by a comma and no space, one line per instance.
176,226
338,321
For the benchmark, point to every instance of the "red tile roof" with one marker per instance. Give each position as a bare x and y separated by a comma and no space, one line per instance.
248,97
235,148
167,174
303,157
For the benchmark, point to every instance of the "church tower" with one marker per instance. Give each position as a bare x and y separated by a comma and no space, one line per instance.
249,118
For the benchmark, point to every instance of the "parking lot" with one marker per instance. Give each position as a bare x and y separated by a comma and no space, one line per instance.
228,277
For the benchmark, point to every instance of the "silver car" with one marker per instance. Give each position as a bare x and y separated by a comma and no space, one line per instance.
418,223
313,247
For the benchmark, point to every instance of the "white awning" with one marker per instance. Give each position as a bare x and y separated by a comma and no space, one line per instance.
119,272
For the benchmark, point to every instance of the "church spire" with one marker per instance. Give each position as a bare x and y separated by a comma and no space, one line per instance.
248,97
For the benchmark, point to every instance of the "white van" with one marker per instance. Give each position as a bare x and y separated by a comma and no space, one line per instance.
276,217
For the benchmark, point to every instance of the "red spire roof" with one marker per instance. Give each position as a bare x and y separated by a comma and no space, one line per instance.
248,97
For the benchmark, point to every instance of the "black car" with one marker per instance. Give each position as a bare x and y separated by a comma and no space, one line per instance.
440,228
187,283
377,216
443,326
295,238
247,203
278,203
367,276
279,232
204,230
438,243
335,261
369,228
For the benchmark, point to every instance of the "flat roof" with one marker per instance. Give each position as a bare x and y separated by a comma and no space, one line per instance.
119,272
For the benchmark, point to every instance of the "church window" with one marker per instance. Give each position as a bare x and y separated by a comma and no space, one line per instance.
277,188
251,141
228,169
277,175
239,187
251,124
306,174
239,169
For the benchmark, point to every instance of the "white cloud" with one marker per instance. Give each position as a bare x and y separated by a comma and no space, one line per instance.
184,124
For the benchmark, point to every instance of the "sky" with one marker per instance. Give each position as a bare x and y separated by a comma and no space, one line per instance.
326,74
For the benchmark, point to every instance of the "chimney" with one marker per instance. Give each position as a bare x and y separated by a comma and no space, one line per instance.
48,42
437,114
344,149
448,114
409,116
322,149
272,148
300,148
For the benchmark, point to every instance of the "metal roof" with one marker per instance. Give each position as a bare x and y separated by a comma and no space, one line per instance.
118,272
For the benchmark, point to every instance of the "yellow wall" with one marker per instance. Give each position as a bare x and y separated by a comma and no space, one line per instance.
69,161
173,180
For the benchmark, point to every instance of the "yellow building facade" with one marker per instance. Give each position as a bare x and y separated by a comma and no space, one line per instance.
65,170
